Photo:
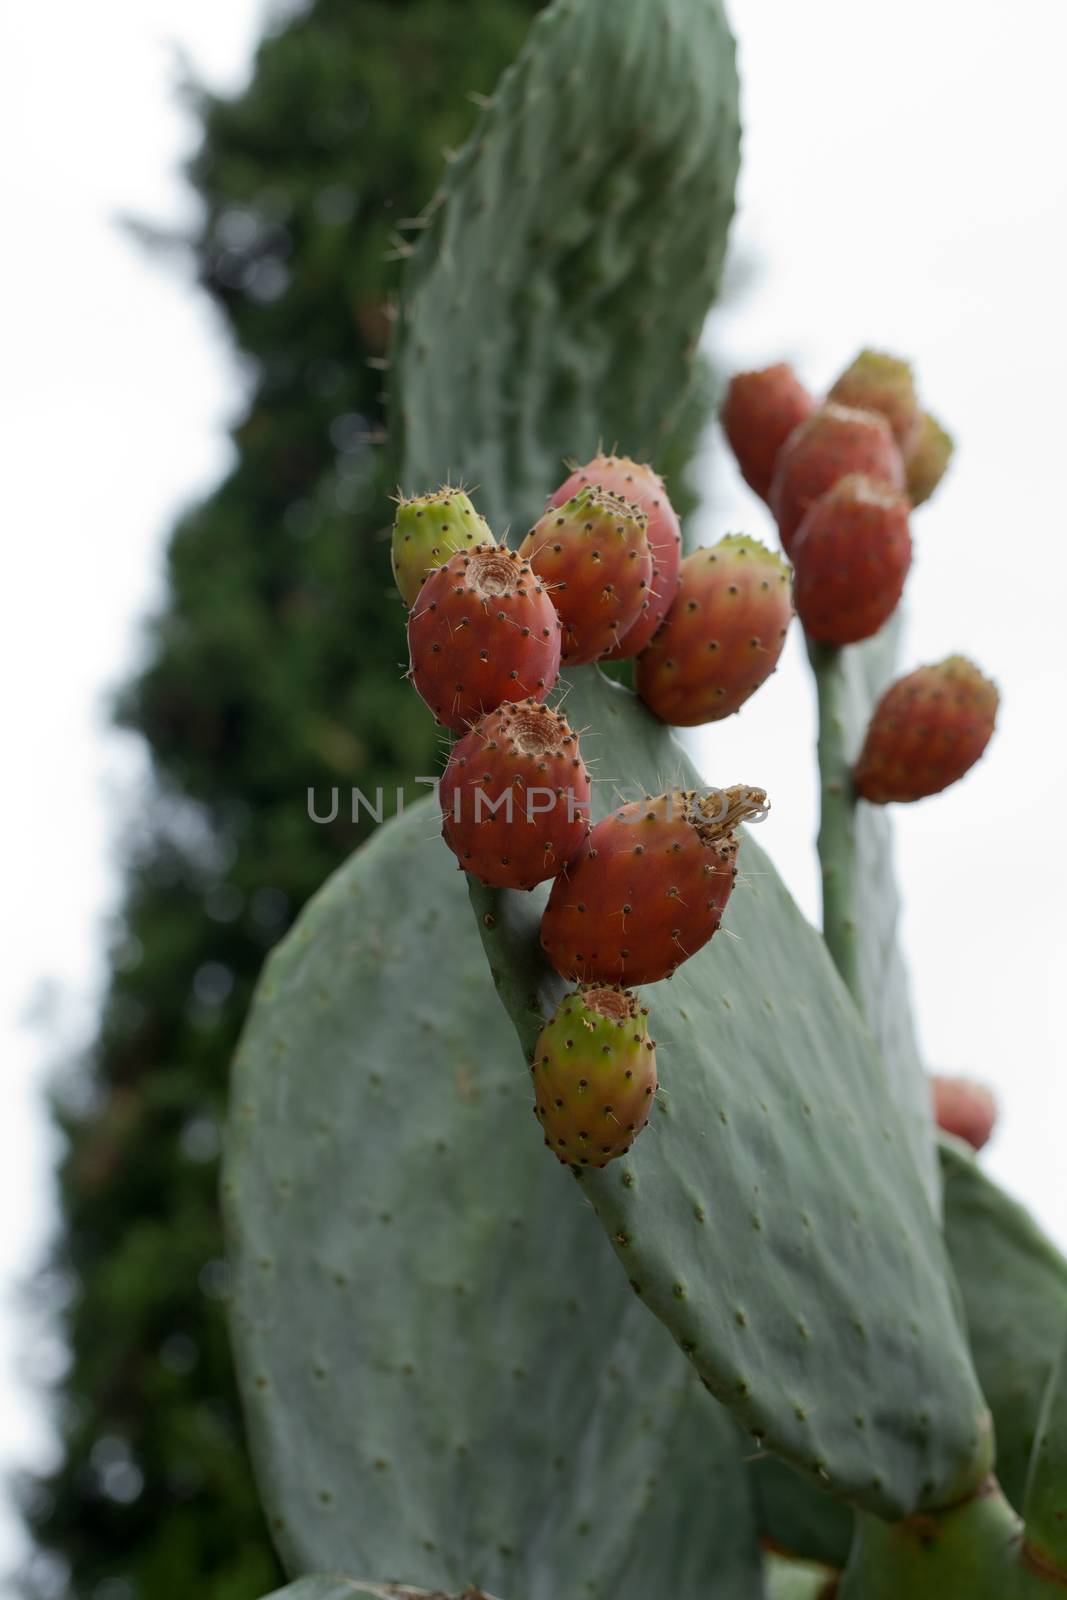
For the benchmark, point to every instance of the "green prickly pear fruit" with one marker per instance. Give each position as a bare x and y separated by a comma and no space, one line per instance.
879,382
592,554
927,458
427,530
594,1073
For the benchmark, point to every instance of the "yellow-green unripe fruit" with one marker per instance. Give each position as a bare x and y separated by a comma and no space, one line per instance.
594,1073
879,382
427,531
927,458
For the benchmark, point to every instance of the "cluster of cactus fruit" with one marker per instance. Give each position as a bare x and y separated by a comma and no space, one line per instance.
776,1347
600,577
841,479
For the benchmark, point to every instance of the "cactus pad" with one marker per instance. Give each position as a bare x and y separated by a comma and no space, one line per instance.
555,299
446,1378
1014,1286
774,1170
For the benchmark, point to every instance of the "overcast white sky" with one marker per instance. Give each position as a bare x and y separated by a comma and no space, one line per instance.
903,184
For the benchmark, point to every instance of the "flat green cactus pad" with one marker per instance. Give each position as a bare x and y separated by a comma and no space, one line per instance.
555,300
1045,1509
771,1214
446,1378
1014,1285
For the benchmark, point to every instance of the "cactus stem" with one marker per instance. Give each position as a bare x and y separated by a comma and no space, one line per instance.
837,838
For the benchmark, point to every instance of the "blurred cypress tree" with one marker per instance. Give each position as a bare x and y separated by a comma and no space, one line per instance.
272,667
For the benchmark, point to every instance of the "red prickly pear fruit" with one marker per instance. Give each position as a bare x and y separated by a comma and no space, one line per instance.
482,631
640,486
927,458
428,530
723,635
515,796
879,382
594,1075
927,731
964,1108
832,443
851,556
759,413
650,887
593,556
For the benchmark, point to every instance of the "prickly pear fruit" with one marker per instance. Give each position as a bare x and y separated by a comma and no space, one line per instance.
851,555
927,458
594,1074
642,487
482,631
832,443
428,530
927,731
723,635
649,888
759,413
593,556
515,796
965,1108
879,382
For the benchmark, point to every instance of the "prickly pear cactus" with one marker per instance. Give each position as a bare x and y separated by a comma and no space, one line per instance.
556,297
768,1069
446,1377
465,1368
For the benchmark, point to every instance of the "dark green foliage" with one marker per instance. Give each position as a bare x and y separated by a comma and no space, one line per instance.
334,1587
272,667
